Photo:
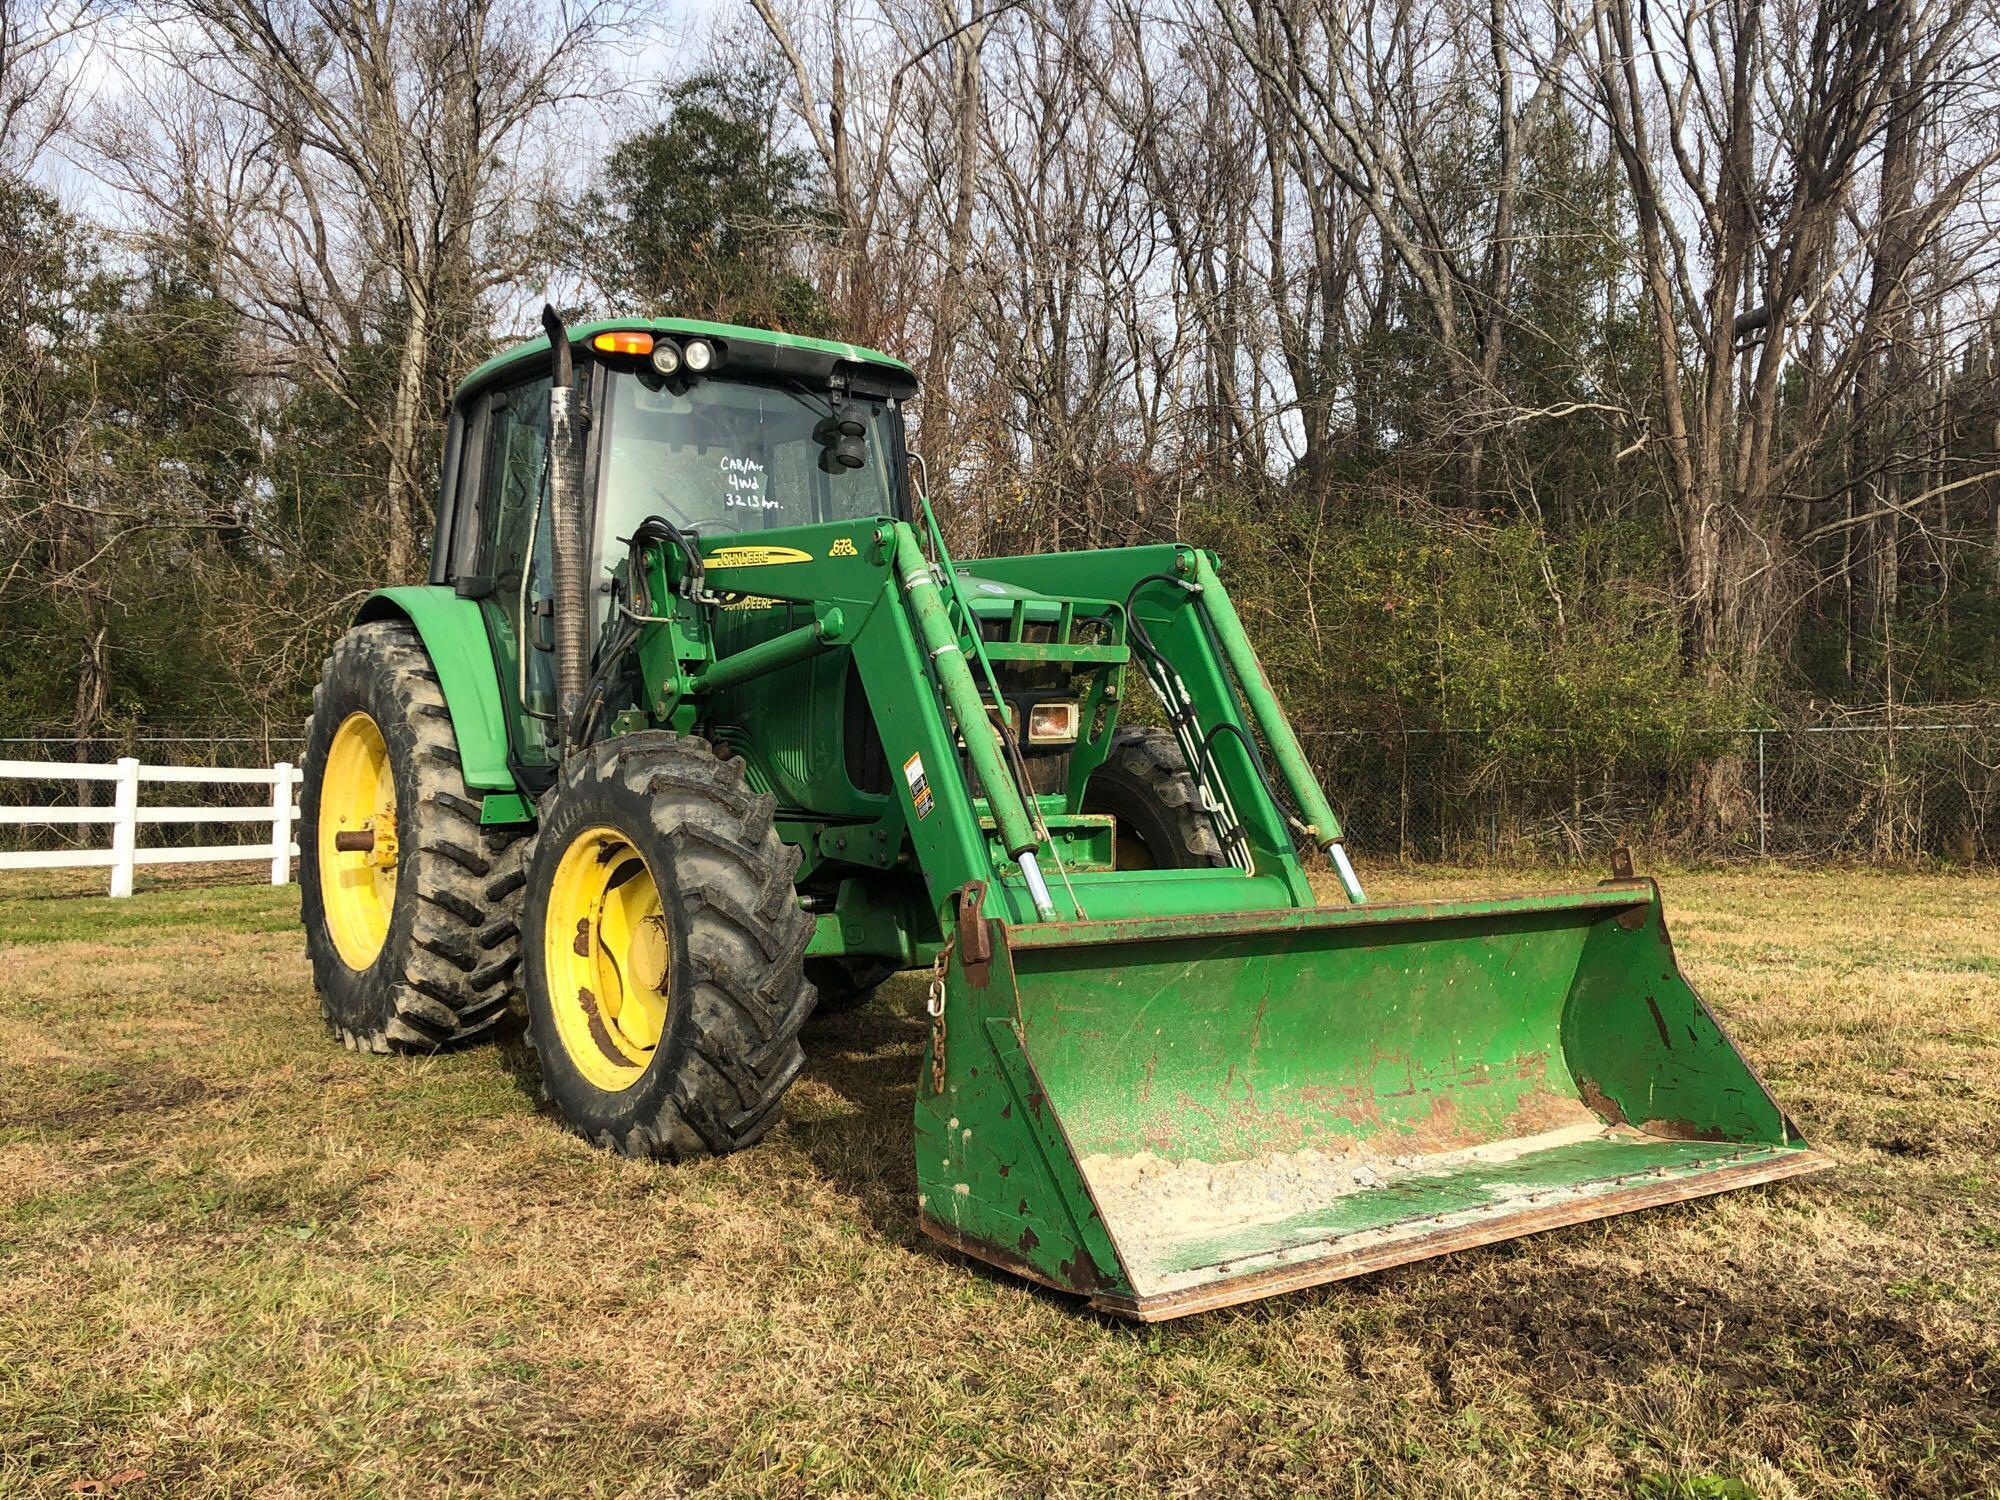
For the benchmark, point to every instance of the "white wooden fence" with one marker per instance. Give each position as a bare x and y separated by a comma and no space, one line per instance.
126,815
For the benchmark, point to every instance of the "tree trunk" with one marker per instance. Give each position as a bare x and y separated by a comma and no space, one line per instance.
939,437
410,410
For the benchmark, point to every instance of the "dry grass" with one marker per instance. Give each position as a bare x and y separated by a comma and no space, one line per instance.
240,1261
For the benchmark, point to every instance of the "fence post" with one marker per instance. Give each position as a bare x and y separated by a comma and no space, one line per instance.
125,832
281,824
1763,805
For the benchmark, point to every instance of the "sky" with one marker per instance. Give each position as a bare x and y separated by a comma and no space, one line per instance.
120,57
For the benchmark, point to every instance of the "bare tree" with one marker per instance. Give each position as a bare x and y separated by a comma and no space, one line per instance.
1752,126
39,39
367,176
1379,96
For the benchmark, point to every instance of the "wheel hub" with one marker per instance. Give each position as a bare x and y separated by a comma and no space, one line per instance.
647,957
383,850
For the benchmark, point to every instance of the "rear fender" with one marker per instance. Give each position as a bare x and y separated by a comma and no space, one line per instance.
455,639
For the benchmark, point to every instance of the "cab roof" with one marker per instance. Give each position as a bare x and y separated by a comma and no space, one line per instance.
729,335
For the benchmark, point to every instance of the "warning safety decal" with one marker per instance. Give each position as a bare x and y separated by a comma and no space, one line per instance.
920,787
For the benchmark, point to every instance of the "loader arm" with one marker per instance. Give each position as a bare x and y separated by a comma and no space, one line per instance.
873,590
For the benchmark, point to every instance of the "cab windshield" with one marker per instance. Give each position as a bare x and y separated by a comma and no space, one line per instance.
726,456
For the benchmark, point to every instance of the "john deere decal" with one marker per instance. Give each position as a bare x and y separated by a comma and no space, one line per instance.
754,557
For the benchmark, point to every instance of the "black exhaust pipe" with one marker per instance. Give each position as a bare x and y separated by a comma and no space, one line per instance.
569,551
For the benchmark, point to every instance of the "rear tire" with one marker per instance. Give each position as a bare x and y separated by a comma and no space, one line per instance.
1145,785
665,950
415,948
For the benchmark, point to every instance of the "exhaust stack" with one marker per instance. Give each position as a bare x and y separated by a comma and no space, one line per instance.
569,424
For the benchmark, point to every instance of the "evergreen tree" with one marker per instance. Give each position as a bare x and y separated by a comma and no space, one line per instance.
705,215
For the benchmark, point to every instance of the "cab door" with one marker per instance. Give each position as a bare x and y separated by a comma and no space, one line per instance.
509,474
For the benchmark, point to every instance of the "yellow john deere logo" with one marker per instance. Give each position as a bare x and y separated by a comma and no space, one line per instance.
844,547
754,557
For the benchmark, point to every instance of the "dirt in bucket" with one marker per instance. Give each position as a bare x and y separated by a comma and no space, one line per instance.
1147,1199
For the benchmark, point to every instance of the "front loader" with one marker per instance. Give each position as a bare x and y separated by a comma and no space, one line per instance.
698,726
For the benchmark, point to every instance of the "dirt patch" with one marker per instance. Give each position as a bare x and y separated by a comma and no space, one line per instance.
125,1096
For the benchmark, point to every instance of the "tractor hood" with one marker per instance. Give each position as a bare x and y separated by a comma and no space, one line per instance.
990,596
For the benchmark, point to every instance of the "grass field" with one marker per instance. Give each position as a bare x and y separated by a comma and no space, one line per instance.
235,1259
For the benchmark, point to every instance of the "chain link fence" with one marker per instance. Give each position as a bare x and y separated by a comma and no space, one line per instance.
1873,792
1877,793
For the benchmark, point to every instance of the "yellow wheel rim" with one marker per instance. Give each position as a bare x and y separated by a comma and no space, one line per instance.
607,957
357,872
1128,852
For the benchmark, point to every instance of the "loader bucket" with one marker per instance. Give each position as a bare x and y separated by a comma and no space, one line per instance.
1173,1114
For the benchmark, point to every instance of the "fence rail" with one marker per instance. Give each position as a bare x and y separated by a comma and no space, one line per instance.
127,814
1861,792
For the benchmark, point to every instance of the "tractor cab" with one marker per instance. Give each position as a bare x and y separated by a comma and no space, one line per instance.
719,431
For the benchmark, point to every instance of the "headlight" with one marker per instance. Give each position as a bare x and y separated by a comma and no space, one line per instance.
666,358
699,355
1052,724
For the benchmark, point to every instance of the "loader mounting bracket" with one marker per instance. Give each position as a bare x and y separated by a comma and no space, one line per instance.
975,938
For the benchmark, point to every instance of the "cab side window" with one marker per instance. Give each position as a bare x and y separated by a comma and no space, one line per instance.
517,443
513,502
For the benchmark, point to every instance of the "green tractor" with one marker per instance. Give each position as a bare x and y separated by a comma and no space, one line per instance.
697,727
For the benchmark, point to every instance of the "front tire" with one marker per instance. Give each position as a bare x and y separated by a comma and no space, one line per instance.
414,941
665,950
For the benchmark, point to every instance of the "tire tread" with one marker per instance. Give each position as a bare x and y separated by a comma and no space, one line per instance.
745,941
457,975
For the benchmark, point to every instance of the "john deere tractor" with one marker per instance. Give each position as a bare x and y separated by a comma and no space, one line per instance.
698,726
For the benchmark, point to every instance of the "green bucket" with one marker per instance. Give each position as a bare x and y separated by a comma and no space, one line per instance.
1173,1114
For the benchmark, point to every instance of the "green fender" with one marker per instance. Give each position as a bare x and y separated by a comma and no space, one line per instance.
454,635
